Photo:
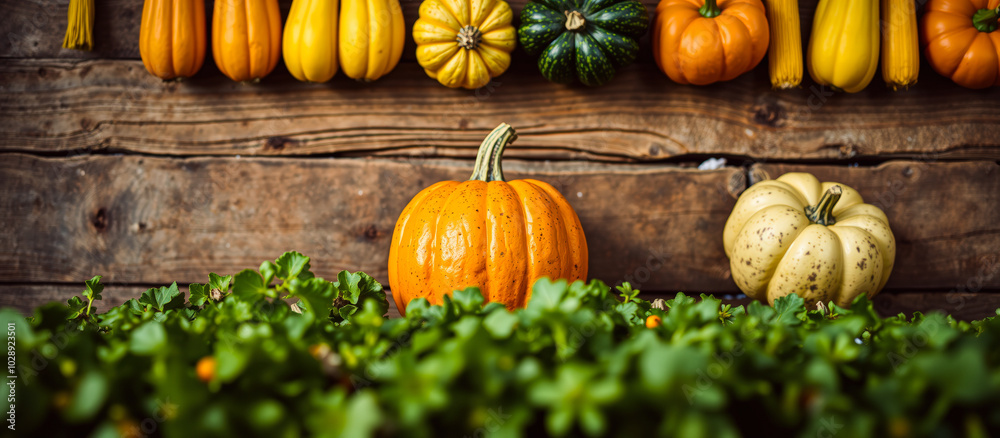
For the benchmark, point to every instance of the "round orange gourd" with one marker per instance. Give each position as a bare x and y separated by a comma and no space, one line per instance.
703,41
962,42
486,232
246,38
172,37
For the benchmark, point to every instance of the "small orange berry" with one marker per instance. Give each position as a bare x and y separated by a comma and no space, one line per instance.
206,369
653,321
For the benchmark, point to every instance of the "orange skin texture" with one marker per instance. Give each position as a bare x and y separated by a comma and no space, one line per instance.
172,37
498,236
955,48
693,49
246,38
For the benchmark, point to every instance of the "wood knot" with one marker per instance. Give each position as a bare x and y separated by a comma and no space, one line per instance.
278,143
372,233
769,114
100,219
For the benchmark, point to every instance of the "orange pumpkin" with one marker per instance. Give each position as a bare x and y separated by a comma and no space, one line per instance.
486,232
172,37
246,38
962,42
703,41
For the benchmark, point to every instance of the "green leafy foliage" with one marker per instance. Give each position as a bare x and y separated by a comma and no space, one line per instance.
578,361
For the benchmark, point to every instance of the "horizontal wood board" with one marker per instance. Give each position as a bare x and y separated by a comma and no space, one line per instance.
58,106
158,219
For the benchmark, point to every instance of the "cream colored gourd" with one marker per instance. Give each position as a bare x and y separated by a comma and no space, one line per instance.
818,240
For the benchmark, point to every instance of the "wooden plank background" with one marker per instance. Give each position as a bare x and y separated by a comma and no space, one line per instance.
107,170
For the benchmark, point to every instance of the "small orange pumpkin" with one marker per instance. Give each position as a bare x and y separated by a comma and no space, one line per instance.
703,41
172,37
246,38
486,232
962,42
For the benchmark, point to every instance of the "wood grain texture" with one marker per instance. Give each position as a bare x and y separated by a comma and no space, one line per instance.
152,220
943,216
52,106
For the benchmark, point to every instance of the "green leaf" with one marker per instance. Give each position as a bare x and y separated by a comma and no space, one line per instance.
546,294
220,283
93,288
469,300
248,285
317,296
787,309
291,265
348,310
347,286
199,293
148,339
88,397
76,307
163,298
500,323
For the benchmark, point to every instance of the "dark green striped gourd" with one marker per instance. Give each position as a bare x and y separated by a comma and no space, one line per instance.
582,39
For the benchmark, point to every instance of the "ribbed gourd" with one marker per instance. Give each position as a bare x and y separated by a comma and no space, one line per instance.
961,40
309,46
900,44
486,232
464,43
246,38
172,37
372,34
784,56
585,40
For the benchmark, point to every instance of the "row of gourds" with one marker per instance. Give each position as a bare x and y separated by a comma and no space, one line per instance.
465,43
794,234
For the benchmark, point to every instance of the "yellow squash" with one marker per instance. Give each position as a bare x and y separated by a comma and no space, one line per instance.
464,43
246,38
172,37
818,240
310,42
843,48
372,33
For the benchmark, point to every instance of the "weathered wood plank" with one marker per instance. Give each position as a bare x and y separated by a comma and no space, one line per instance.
152,220
942,214
965,306
52,106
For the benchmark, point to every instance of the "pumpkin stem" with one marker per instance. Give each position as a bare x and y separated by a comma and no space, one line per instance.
985,20
710,9
469,37
574,20
488,166
822,212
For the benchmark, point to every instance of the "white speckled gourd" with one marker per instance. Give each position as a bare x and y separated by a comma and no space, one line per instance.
817,239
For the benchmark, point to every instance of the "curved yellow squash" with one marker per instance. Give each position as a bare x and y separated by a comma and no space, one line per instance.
844,46
464,43
246,38
310,43
172,37
818,240
372,34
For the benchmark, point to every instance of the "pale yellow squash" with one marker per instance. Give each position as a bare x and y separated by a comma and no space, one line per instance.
818,240
464,43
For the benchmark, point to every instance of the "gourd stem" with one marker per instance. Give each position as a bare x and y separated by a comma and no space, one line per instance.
710,9
985,20
469,37
822,212
574,20
488,160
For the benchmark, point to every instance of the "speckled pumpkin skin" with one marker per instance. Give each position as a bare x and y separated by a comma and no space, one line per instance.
498,236
774,248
